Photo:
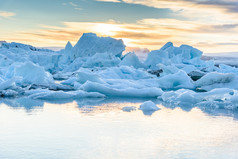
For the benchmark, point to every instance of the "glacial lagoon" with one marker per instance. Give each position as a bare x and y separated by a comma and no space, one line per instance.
65,104
99,128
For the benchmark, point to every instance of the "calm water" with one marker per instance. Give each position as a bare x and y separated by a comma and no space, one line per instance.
99,129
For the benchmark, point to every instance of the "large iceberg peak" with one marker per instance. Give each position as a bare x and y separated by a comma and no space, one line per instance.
90,44
167,45
68,47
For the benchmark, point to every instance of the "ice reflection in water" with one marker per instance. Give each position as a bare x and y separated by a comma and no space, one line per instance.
98,128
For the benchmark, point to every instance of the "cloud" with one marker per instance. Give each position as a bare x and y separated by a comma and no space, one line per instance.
115,1
206,24
146,33
227,43
78,8
73,4
5,14
206,11
228,5
140,35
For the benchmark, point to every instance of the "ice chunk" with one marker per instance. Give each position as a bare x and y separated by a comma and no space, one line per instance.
156,57
117,79
176,81
217,94
125,72
187,68
217,80
169,54
52,95
97,60
15,52
148,106
35,91
190,52
131,59
109,91
31,74
47,94
167,69
180,97
102,60
46,60
70,81
90,44
8,93
189,97
6,84
227,69
23,46
84,75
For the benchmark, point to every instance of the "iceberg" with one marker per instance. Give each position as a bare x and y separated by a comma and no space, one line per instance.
170,54
91,51
90,44
97,67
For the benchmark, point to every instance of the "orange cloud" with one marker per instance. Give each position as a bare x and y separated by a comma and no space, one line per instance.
146,33
5,14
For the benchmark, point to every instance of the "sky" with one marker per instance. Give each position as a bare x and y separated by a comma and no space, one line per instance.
209,25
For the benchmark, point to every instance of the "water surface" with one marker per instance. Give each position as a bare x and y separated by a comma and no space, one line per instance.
99,129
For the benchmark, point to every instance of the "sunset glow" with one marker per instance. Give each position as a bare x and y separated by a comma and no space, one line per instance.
208,25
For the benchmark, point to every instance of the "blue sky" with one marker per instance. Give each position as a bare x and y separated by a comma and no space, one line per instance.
210,25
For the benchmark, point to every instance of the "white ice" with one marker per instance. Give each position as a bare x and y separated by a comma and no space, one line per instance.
95,67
